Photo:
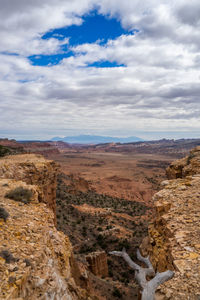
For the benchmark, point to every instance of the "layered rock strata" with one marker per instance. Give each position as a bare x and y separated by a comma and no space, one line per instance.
97,262
36,260
175,234
189,165
33,169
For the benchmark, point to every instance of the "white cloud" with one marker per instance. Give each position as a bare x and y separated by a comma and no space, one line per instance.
158,88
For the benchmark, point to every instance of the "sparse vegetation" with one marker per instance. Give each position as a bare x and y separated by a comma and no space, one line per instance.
99,200
117,293
4,151
3,214
96,231
120,216
20,194
7,255
27,262
190,157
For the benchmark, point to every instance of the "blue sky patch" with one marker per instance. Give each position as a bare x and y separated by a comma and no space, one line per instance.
94,28
105,64
45,60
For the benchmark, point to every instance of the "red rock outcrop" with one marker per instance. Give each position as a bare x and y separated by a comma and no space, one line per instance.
97,262
11,143
175,233
43,148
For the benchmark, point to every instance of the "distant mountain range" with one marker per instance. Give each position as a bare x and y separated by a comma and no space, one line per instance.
96,139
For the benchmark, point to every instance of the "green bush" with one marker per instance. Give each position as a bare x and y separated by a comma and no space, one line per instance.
20,194
190,157
4,151
117,293
7,255
3,214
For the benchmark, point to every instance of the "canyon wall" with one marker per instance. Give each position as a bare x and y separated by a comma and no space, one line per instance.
174,236
36,260
36,170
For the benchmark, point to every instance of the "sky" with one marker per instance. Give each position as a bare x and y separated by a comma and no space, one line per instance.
103,67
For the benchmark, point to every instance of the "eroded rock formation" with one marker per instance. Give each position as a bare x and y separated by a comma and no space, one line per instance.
33,169
97,262
174,236
36,260
189,165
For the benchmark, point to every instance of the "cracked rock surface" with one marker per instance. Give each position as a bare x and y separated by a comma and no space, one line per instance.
174,236
36,260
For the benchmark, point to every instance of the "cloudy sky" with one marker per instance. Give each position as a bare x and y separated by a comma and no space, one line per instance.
106,67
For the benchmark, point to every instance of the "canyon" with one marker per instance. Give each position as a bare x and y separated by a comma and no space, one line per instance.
35,259
85,203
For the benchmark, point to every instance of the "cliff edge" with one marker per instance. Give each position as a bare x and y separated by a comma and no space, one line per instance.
36,260
36,170
174,236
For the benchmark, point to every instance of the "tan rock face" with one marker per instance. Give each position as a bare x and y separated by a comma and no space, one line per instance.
97,262
35,170
36,260
189,165
175,234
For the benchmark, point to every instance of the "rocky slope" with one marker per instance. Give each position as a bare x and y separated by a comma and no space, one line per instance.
174,236
189,165
36,260
33,169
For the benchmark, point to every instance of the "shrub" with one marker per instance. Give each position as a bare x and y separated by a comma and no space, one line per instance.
20,194
27,262
4,151
84,231
11,280
190,157
3,214
99,238
110,273
7,256
124,244
116,293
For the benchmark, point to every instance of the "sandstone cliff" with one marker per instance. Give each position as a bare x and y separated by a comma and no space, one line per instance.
97,262
189,165
33,169
36,261
174,236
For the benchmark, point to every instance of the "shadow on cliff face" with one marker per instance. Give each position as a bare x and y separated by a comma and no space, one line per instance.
97,222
